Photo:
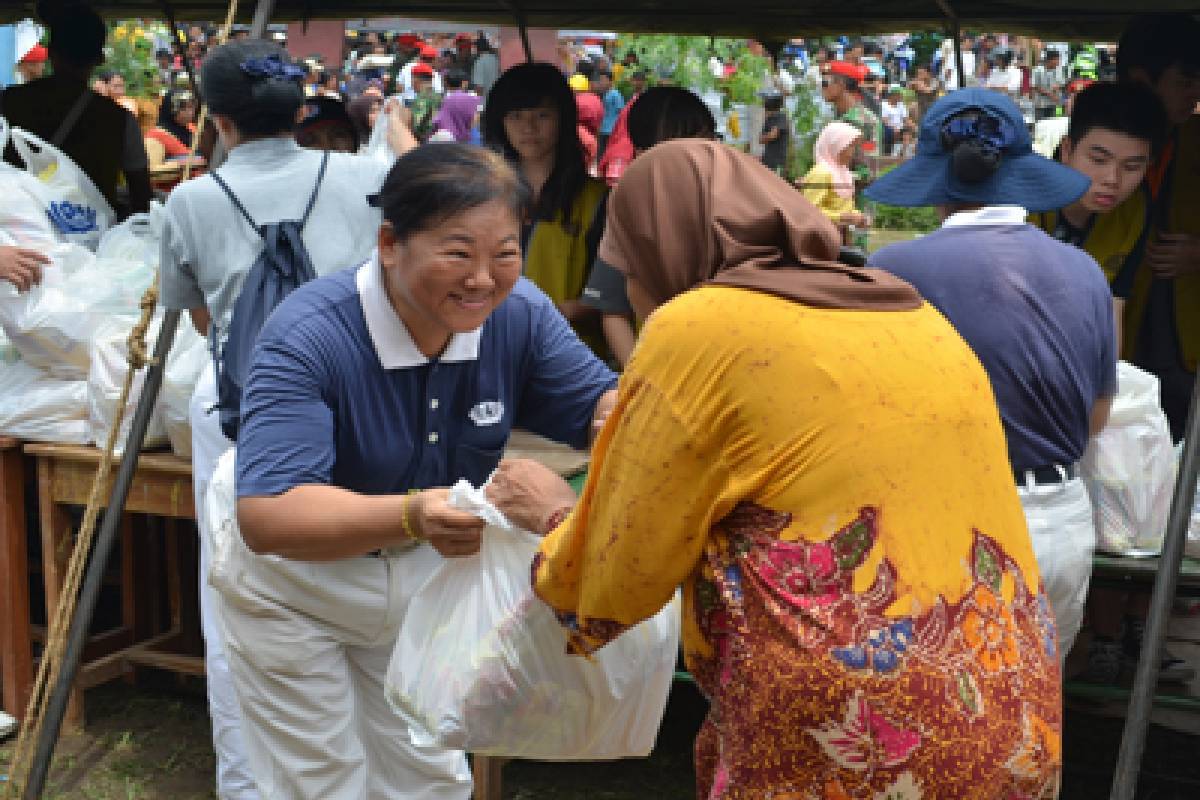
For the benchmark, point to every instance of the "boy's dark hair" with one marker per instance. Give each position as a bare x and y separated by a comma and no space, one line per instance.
530,86
259,105
1157,42
772,102
1129,108
455,78
586,67
428,185
606,73
668,112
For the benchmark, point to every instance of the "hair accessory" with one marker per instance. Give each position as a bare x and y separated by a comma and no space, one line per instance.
975,125
271,67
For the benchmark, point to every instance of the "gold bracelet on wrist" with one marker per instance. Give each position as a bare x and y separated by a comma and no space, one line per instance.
406,521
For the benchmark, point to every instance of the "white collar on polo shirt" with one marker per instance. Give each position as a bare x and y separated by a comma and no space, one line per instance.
393,343
988,215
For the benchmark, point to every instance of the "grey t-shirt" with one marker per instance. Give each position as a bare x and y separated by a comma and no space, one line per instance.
208,246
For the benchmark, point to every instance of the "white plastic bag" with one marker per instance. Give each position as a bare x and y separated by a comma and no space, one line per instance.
35,406
80,213
106,378
137,239
1130,467
23,203
189,355
80,299
480,663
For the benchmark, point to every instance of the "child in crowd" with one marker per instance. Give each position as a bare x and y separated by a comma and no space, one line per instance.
829,185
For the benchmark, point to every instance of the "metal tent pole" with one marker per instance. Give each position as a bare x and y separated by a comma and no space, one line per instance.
60,693
956,32
1141,698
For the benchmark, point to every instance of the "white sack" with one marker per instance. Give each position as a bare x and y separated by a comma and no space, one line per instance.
106,378
81,298
480,663
1129,468
189,355
35,406
79,212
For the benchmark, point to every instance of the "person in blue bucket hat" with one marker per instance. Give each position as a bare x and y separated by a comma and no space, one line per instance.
1037,312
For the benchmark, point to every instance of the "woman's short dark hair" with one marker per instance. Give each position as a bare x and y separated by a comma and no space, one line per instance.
258,105
668,112
532,86
1129,108
430,184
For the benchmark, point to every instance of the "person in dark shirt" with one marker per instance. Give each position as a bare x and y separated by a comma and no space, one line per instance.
101,137
1037,312
775,134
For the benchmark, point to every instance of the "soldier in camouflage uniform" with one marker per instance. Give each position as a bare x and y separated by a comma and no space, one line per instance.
840,88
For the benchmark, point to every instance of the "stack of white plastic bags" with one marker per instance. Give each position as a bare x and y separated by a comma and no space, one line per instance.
481,662
1130,469
63,359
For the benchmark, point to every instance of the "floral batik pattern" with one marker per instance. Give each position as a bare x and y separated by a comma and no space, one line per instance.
819,694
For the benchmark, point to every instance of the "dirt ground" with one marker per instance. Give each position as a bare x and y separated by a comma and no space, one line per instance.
151,743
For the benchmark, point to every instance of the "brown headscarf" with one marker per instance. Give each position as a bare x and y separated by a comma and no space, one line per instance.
692,211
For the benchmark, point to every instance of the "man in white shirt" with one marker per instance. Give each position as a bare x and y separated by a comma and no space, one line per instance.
894,113
949,66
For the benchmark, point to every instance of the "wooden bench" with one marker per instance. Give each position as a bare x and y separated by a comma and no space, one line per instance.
16,636
162,487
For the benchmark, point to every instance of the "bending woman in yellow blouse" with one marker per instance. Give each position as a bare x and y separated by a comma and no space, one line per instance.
816,456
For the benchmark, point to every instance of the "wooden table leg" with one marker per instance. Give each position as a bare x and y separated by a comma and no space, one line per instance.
488,777
16,651
58,539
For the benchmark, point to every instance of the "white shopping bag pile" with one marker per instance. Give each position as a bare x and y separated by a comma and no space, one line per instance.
480,663
1130,467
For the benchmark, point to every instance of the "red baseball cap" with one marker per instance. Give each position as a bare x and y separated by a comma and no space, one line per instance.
429,51
854,72
36,55
423,69
409,40
463,37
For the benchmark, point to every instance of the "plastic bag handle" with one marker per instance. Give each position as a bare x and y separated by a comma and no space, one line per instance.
4,131
21,139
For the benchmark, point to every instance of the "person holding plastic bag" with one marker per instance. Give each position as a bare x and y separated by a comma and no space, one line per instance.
816,456
22,266
102,138
371,392
253,92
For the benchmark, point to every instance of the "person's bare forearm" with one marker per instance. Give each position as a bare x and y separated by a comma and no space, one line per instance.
322,523
620,335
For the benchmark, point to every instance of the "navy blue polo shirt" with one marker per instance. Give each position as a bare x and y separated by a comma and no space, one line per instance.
1037,313
339,394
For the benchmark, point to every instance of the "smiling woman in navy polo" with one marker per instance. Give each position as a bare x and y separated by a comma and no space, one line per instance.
372,390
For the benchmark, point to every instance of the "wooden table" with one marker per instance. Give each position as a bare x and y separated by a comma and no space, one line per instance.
162,487
16,642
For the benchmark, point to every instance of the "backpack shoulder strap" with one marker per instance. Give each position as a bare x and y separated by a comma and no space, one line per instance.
312,201
237,203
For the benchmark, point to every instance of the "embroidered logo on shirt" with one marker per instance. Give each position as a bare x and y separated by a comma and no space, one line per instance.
489,412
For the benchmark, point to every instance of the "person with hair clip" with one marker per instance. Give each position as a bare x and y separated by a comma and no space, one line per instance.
1037,312
531,118
253,92
372,391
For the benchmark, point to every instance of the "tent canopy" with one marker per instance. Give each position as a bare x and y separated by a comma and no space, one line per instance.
762,19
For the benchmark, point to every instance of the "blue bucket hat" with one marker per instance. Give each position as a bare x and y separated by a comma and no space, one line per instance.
994,132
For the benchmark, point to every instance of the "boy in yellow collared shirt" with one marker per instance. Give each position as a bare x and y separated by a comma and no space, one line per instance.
1115,132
